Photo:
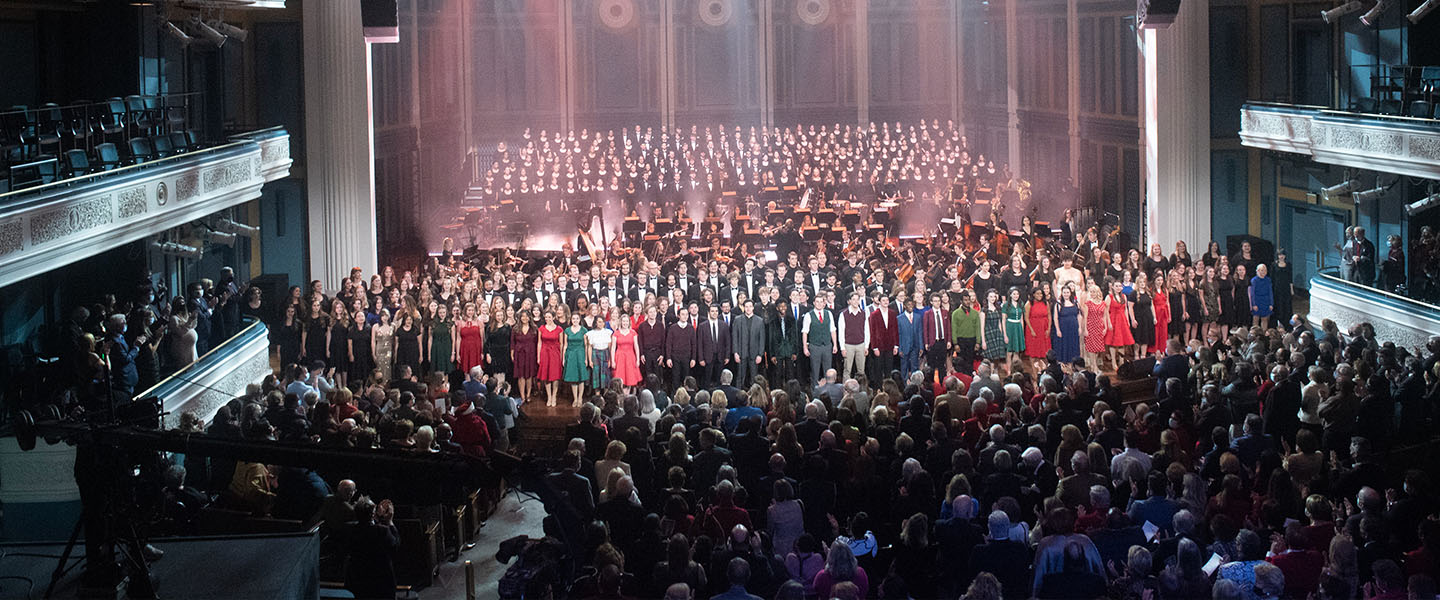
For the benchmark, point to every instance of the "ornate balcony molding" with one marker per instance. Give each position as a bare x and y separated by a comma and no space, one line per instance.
1395,318
217,377
53,225
1398,145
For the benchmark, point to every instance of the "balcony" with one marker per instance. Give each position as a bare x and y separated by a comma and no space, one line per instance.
1387,144
220,375
1407,322
52,225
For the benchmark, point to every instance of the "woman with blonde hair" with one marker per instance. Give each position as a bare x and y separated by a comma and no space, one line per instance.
1097,325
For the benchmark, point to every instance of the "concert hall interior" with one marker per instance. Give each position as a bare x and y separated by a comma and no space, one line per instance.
720,299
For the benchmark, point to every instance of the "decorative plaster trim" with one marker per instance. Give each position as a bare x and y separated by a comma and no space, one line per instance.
1403,147
63,224
1409,326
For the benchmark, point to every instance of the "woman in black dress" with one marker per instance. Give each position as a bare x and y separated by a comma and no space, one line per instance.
1239,309
1144,329
1178,317
285,335
315,338
497,346
1225,284
361,363
407,344
1195,308
1281,274
339,343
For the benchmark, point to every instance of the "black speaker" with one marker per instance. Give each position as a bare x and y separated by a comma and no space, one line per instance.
274,287
1156,14
1261,249
1136,369
381,19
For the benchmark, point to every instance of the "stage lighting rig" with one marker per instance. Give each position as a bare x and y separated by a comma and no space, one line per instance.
230,31
1424,9
199,28
175,32
1370,194
1334,14
1375,12
177,249
1340,189
229,226
1422,205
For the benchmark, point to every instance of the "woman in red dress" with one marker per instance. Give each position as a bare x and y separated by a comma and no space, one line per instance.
1037,327
548,369
1097,326
524,344
1162,315
625,354
472,340
1119,340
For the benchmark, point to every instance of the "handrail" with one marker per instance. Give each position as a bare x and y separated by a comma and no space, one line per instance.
253,328
98,103
159,162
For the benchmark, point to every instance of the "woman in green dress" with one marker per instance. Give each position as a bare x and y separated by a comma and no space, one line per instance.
1014,310
441,348
993,343
573,345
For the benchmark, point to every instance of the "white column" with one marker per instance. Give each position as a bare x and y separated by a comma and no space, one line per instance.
567,55
339,142
1176,116
957,85
767,61
668,87
862,61
1072,84
1177,128
1012,85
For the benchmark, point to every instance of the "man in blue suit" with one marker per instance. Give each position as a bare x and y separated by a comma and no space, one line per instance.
911,338
1175,364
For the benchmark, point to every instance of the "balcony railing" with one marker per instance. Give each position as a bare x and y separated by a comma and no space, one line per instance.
1396,318
51,225
1387,144
219,375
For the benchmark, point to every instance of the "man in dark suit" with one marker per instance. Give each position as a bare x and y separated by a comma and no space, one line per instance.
747,337
713,347
680,348
1175,364
574,487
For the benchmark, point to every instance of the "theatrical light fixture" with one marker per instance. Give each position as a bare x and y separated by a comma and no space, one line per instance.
1375,12
176,249
1368,195
220,237
1422,10
1333,14
1422,205
199,28
175,33
229,30
1340,189
228,226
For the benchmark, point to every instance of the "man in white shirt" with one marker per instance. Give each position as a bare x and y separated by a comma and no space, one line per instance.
819,339
854,333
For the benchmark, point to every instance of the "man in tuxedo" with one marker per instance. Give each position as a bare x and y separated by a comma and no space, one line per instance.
683,282
747,336
713,346
750,280
884,339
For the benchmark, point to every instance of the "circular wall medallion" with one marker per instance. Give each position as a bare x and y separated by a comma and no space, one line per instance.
162,194
617,14
716,13
813,12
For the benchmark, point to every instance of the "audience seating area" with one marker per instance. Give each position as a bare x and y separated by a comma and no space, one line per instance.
53,142
1402,91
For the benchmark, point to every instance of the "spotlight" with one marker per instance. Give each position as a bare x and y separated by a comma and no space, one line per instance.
229,30
1424,9
221,238
228,226
1340,189
1422,205
175,249
1334,14
175,33
205,31
1375,12
1368,195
